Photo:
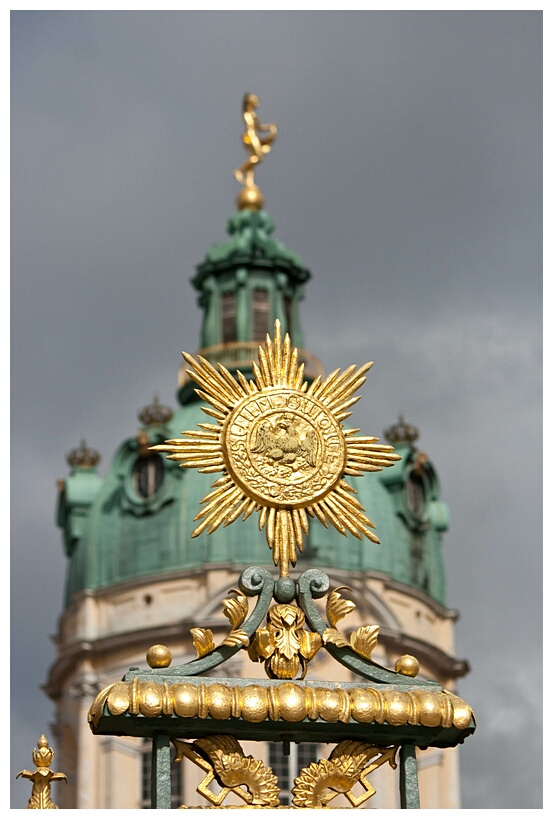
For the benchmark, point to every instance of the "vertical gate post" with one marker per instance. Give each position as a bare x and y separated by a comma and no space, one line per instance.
408,777
161,772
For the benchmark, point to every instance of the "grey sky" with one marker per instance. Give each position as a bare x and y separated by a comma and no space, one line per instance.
407,173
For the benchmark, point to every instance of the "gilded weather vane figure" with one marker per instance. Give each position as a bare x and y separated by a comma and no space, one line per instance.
257,139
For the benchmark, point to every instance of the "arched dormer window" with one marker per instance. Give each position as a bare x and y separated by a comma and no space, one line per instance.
147,475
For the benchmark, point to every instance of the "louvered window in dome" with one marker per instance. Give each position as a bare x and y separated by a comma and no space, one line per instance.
260,314
228,317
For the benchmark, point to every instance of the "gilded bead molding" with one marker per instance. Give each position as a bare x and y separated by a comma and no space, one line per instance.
260,701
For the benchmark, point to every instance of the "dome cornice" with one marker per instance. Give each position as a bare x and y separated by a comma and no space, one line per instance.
250,245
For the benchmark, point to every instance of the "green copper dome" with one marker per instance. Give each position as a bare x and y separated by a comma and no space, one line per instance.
136,522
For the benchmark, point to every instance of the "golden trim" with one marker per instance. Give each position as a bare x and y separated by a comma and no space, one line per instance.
223,760
363,641
286,701
235,610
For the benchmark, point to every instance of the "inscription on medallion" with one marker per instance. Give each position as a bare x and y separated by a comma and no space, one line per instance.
284,448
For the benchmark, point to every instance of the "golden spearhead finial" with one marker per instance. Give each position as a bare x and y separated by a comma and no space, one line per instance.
42,776
257,139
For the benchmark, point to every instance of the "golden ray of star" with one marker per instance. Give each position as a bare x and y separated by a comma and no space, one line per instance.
281,447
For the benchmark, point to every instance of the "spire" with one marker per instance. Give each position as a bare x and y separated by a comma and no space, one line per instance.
251,280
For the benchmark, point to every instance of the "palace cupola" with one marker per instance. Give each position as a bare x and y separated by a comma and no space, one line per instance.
245,284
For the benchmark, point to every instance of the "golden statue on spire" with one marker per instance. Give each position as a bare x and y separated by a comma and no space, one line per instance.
257,140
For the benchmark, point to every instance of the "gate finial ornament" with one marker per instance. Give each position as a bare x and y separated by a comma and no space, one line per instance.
42,777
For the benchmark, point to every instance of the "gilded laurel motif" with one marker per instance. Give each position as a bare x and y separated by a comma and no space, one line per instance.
362,641
281,448
235,610
348,765
223,760
284,643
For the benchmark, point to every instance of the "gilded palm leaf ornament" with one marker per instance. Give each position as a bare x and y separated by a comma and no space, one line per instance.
348,765
225,762
281,447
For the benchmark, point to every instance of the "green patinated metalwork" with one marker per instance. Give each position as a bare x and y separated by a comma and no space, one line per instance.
251,259
161,772
312,585
254,582
110,533
408,779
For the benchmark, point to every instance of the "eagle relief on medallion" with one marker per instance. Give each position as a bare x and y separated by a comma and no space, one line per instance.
284,447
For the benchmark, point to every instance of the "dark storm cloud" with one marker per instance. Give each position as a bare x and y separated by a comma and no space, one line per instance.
407,173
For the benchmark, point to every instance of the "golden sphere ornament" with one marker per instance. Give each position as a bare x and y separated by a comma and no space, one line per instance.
407,665
159,656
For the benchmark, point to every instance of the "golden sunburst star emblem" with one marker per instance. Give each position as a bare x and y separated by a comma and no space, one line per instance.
281,447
